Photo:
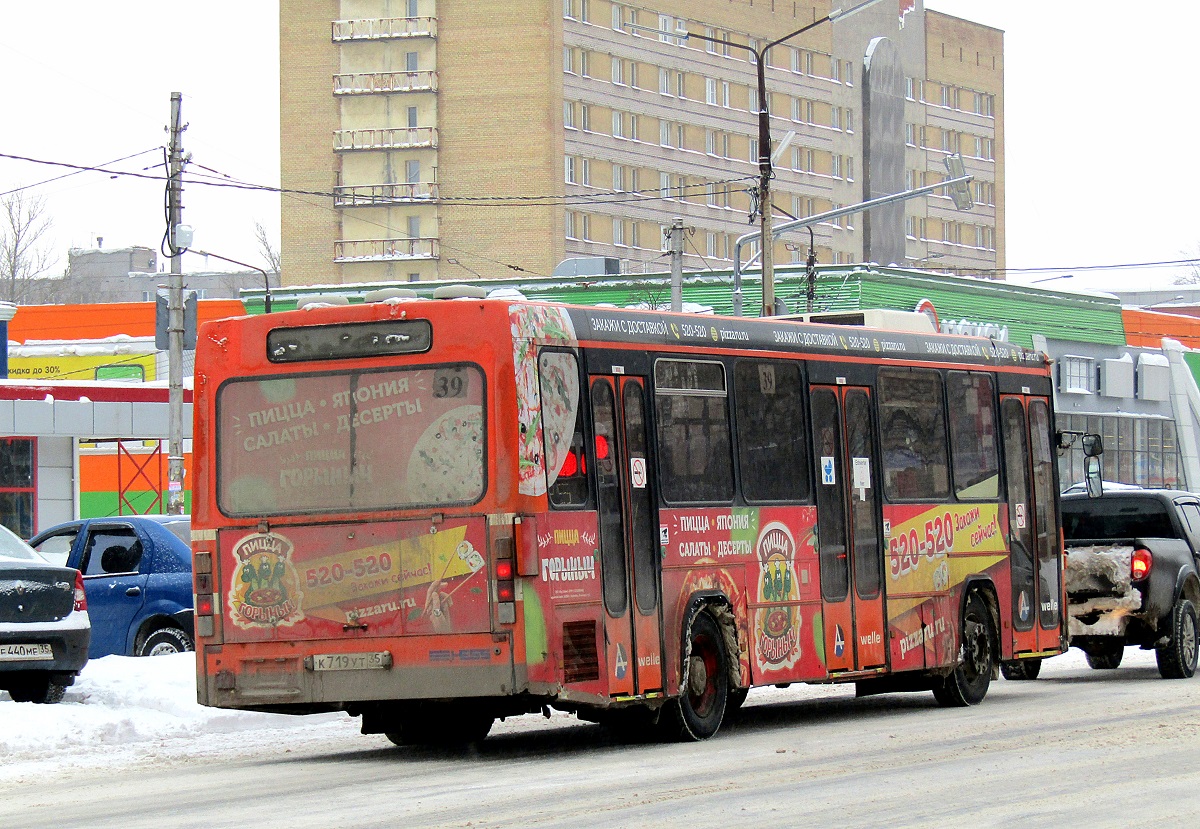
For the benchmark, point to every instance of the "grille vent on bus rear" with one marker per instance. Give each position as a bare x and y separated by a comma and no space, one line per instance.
580,663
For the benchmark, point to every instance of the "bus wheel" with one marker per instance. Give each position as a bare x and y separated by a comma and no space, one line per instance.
968,684
1021,669
697,713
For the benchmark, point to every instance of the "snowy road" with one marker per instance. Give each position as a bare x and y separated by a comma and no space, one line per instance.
1076,747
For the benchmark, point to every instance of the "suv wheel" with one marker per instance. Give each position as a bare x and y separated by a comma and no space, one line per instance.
1178,659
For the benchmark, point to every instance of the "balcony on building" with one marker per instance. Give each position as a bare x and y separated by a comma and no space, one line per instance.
388,138
383,195
372,83
383,28
385,250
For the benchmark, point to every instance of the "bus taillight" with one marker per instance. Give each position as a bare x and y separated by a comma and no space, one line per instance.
504,570
205,600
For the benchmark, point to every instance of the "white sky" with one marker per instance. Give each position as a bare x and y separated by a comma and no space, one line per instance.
1100,126
90,82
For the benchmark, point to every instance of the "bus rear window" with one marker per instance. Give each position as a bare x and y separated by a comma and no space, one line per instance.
349,441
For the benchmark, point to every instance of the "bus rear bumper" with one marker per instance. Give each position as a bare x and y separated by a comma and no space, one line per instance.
317,678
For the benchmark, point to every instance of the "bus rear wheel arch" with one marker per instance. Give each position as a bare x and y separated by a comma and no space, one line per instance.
968,683
696,714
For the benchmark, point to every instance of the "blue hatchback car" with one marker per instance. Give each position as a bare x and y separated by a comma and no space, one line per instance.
137,574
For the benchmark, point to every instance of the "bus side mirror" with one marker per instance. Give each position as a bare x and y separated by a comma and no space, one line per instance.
1093,446
1091,476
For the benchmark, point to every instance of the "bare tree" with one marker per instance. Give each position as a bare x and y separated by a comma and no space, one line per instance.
1192,277
24,247
266,248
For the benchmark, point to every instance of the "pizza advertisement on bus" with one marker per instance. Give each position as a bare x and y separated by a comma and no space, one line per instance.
415,582
357,440
532,324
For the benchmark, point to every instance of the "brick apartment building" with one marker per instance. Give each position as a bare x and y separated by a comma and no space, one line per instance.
456,139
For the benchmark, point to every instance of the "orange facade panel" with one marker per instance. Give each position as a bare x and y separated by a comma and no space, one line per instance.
95,322
1146,329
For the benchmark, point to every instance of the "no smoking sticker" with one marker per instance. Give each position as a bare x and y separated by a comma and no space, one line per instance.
637,472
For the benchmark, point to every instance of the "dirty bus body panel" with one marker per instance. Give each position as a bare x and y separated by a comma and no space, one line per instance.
434,513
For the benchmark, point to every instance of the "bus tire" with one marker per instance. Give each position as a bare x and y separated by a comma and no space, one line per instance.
1178,659
968,683
1019,669
697,712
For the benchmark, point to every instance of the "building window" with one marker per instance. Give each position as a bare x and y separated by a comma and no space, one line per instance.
414,227
618,124
569,224
680,85
569,9
725,94
584,12
754,150
410,61
584,63
710,91
568,60
836,166
585,120
910,134
569,163
618,13
412,171
569,114
410,8
664,185
1076,374
752,55
412,118
414,277
835,74
585,169
618,70
710,194
711,240
17,484
664,82
633,127
618,232
586,221
849,120
709,46
909,89
835,118
618,178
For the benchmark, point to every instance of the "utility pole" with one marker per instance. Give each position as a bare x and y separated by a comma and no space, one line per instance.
675,234
175,162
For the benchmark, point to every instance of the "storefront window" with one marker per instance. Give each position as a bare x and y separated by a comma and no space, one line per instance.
17,484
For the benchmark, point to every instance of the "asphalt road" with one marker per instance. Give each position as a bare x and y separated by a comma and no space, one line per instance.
1076,747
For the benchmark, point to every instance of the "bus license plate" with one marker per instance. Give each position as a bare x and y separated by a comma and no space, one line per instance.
350,661
16,652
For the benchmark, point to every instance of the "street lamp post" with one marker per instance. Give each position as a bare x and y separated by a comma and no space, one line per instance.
765,172
266,277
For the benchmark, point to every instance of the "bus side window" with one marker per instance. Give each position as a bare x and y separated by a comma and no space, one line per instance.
772,451
912,430
973,453
562,430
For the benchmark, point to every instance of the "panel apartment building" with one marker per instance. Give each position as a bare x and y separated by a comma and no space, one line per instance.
463,139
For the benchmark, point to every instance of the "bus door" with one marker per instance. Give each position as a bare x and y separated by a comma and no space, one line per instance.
629,549
850,545
1035,558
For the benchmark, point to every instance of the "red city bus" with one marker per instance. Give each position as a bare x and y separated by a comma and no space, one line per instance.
433,513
